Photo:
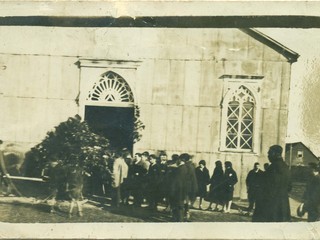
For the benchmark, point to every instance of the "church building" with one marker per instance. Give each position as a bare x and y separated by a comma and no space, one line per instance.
216,93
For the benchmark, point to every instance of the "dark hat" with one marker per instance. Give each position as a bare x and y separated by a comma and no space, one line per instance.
228,164
301,210
276,149
218,163
162,153
185,157
174,157
203,162
145,154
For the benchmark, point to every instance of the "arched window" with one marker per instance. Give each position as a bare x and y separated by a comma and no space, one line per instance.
111,88
239,117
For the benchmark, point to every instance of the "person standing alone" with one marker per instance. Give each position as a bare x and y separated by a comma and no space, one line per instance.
230,179
273,204
253,182
203,179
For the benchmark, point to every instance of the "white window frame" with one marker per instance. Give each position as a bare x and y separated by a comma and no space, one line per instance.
300,152
231,84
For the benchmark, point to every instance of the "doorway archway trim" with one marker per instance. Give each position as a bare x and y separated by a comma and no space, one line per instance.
107,63
109,104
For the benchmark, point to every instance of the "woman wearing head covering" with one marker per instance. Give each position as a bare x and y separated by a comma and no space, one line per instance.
230,179
203,179
216,187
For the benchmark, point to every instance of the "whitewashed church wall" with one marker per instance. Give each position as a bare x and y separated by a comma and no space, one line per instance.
178,85
38,93
135,43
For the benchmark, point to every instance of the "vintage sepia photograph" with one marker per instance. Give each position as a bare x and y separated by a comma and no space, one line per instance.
160,119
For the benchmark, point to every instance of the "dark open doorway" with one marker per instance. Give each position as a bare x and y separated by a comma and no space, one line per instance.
115,123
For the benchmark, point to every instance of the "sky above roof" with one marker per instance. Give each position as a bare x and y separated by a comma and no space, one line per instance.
304,105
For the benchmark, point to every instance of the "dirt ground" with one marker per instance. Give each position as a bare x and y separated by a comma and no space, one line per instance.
30,209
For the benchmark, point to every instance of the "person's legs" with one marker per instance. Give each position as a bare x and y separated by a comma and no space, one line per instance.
312,214
53,203
116,196
53,200
181,214
79,208
200,203
228,206
251,204
186,208
71,207
251,200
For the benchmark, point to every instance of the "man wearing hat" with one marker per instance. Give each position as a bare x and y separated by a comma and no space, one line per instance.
273,204
312,194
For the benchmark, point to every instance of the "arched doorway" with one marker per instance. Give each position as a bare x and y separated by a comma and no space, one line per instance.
109,110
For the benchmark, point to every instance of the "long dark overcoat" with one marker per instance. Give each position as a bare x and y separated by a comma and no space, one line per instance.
230,179
253,182
216,186
178,187
273,204
192,184
203,179
312,199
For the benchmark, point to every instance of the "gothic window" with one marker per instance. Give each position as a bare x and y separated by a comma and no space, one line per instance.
111,88
239,131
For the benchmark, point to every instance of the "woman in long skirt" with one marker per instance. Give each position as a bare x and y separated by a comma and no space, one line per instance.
203,179
216,187
230,179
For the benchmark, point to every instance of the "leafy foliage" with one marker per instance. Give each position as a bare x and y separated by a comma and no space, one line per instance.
72,143
138,125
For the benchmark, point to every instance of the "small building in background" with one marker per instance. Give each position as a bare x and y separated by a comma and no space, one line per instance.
298,156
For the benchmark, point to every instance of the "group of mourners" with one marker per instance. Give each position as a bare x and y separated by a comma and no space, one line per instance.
149,179
176,183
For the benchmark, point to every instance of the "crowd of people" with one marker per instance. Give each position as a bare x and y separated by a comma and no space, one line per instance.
174,182
178,183
149,179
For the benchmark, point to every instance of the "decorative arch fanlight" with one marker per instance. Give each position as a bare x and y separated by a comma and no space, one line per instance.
111,88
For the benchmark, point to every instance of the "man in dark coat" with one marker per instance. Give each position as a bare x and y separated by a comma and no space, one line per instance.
191,183
163,168
312,195
153,183
178,190
273,204
139,172
253,182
